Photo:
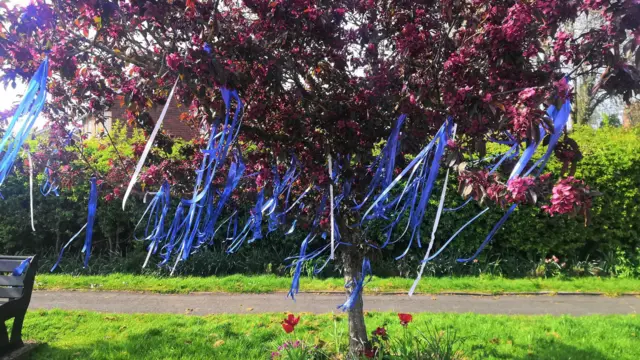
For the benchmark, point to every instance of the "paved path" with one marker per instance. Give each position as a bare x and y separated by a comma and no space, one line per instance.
203,304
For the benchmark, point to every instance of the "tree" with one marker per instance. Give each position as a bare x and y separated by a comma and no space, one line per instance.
326,79
586,103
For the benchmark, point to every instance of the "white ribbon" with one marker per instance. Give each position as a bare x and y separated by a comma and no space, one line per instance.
147,147
31,189
333,240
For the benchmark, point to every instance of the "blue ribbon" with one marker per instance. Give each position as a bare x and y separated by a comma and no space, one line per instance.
357,285
455,235
292,228
30,107
493,231
304,256
19,270
158,210
197,220
414,197
560,117
295,282
174,232
235,174
385,162
91,217
93,204
49,185
416,161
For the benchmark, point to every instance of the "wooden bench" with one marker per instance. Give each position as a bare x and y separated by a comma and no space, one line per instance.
15,294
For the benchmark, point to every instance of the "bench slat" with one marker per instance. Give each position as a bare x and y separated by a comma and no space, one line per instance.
11,293
11,280
7,265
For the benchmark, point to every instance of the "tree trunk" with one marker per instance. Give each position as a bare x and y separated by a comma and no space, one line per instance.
352,262
118,237
57,233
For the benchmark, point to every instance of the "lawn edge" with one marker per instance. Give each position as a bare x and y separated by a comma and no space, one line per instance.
373,293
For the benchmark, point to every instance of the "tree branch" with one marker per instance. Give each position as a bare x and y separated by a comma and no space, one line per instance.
95,44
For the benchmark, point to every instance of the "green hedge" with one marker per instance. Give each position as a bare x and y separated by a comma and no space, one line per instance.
611,165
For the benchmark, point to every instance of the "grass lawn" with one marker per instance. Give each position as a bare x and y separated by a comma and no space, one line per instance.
270,283
89,335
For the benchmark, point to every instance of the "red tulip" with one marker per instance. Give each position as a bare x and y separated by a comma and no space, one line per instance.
291,319
288,328
405,319
289,324
370,353
382,332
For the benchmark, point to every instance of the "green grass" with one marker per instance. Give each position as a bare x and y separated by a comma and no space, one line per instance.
89,335
270,283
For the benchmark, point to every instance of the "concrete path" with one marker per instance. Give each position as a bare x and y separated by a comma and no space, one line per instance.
203,304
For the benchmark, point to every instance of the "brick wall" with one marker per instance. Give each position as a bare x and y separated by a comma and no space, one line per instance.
631,115
171,125
626,118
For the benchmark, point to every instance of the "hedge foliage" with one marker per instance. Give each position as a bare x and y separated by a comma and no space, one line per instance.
611,165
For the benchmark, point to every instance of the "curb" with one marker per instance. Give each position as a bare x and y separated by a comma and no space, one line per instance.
454,293
396,293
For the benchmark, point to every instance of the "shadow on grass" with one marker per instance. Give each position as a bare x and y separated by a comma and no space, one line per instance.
159,343
553,349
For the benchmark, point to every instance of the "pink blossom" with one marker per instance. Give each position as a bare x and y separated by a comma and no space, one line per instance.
517,189
531,51
173,61
544,177
517,23
527,94
340,11
495,192
560,45
568,195
562,87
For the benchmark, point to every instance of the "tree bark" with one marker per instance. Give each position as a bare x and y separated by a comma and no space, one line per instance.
352,263
57,232
118,237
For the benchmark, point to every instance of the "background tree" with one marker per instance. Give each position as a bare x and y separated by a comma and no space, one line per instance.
610,120
326,78
585,102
